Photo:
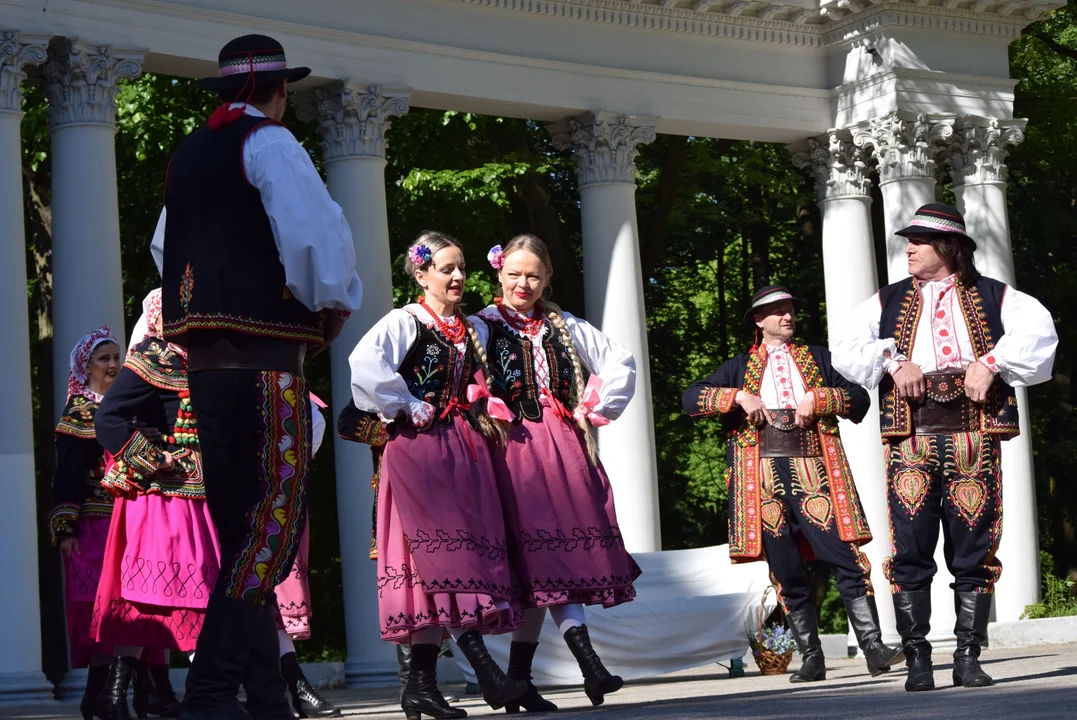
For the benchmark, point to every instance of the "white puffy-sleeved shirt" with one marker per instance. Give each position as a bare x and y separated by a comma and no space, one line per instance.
1023,355
376,384
312,236
612,363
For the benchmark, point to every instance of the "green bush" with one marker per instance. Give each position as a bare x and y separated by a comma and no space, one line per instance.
1058,597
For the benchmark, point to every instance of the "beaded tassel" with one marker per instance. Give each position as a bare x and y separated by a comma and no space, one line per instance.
184,431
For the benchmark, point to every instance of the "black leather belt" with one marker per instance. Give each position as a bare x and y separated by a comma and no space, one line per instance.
782,438
945,408
225,350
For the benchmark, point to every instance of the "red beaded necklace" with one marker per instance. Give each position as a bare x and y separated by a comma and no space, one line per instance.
454,333
527,325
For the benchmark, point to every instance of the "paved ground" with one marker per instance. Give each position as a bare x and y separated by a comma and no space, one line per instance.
1038,682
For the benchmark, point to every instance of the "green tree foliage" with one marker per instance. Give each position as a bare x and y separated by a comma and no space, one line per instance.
718,218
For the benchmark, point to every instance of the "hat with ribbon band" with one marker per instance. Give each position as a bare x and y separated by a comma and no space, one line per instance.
769,295
936,219
251,61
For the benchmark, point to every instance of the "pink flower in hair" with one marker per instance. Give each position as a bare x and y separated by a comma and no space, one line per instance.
496,256
419,254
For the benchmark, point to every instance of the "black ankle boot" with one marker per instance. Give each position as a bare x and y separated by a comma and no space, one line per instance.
497,688
220,660
521,654
973,612
805,629
420,695
307,701
96,675
864,617
403,661
112,702
597,680
162,700
912,610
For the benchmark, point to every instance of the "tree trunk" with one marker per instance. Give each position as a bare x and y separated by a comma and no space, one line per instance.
723,310
759,238
655,238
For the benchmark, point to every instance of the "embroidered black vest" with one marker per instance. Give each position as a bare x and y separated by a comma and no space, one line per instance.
222,270
981,307
429,368
512,369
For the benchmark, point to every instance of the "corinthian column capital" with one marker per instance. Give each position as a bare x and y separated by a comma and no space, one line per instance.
16,52
978,148
906,145
604,144
837,163
83,80
353,118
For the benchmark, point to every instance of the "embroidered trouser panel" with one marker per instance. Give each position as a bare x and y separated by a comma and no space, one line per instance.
254,429
953,481
797,510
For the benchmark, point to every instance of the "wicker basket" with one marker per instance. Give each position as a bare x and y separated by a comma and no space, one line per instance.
769,662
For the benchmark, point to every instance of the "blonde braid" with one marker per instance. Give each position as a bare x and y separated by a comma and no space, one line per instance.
553,314
496,430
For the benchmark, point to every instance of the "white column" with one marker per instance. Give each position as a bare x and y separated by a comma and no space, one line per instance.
905,145
843,188
352,120
978,156
87,283
605,148
21,679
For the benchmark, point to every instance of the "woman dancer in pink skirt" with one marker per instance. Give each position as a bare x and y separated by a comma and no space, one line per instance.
561,377
442,560
79,519
161,559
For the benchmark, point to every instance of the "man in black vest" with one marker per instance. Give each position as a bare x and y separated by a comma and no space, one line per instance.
258,268
946,347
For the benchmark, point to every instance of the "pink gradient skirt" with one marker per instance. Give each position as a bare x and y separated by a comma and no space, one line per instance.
160,566
564,542
82,575
442,559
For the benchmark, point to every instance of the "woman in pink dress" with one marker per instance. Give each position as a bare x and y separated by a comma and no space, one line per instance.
161,559
442,559
79,519
561,377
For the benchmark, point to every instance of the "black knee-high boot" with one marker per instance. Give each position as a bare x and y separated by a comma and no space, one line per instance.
597,680
111,704
864,617
497,688
973,612
95,683
805,627
521,655
912,610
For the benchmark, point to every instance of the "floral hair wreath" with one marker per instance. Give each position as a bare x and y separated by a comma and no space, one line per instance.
419,254
496,256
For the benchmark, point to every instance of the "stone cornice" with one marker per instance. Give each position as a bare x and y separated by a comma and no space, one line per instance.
604,144
82,81
16,52
803,23
352,118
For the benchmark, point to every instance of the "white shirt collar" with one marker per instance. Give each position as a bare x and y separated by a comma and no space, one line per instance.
249,109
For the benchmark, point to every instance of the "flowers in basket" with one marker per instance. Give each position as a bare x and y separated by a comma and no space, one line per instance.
772,647
776,638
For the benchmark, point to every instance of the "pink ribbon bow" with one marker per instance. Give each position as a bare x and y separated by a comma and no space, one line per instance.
495,407
587,405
